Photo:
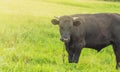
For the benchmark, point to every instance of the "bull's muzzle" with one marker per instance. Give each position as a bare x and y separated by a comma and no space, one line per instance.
65,39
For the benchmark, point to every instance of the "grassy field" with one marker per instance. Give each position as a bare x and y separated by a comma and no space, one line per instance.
30,43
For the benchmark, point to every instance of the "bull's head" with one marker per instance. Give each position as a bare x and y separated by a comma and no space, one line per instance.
66,24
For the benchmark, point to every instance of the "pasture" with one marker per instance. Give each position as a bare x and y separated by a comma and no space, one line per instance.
30,43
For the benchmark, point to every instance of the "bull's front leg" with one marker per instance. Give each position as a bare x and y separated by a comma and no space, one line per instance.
77,51
70,51
74,51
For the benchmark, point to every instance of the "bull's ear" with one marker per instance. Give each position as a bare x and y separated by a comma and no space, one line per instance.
76,23
55,21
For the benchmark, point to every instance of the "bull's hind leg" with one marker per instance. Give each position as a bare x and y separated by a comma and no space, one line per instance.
116,47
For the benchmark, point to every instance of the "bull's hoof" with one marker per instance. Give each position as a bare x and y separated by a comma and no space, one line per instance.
73,61
70,61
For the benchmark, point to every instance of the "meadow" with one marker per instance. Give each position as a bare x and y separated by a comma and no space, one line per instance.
30,43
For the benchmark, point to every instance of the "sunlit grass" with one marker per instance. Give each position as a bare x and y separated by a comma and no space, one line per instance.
30,43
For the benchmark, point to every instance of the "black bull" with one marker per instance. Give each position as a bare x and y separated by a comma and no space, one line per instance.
94,31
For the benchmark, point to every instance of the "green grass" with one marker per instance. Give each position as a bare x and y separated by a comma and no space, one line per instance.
30,43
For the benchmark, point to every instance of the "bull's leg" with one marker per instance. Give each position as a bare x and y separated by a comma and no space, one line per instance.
70,57
77,52
70,54
116,47
69,50
74,51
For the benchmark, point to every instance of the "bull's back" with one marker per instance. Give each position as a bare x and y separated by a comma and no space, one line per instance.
98,31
